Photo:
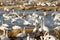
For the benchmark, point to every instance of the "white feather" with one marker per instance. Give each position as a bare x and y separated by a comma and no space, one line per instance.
16,27
26,23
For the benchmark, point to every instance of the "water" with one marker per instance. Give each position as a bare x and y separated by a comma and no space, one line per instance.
47,19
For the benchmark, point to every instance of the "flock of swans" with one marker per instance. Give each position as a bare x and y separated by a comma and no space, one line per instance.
29,5
18,20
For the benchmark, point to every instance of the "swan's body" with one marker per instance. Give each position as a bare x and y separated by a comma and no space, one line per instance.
39,3
16,27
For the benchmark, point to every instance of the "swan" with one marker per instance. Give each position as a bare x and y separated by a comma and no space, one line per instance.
49,37
39,3
6,9
53,4
56,19
20,6
58,28
34,14
48,3
6,17
43,27
43,4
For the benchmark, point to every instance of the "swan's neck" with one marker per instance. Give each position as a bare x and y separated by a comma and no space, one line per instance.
42,22
24,30
28,37
5,33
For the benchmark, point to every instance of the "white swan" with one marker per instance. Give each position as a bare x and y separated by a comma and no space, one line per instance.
38,3
34,14
58,28
6,9
6,17
53,4
43,4
49,37
57,17
43,27
48,3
